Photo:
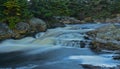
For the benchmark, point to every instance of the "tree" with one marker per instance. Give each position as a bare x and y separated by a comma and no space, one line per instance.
15,11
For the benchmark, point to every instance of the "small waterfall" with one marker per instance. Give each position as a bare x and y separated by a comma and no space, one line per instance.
46,50
70,36
72,40
69,43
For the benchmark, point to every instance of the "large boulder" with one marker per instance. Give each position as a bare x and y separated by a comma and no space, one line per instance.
37,25
5,32
21,29
106,37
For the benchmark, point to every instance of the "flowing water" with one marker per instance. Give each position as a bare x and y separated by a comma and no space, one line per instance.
59,48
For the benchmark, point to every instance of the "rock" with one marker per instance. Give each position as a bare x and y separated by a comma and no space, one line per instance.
86,38
57,24
116,19
116,57
37,25
94,46
5,32
98,46
88,19
117,52
22,27
82,44
106,37
88,66
67,20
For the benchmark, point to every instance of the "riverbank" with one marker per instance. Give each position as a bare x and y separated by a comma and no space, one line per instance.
24,29
60,48
36,25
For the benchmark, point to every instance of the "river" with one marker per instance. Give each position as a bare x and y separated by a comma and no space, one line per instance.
58,48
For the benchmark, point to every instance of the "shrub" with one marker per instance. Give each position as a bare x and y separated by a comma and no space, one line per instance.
49,8
15,11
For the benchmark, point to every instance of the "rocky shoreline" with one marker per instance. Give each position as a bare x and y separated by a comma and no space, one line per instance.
103,40
106,38
35,25
23,29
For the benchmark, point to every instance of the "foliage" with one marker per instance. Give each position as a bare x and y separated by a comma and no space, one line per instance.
81,9
49,8
14,11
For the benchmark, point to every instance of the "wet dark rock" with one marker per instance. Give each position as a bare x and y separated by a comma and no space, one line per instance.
86,37
116,57
88,66
82,44
117,52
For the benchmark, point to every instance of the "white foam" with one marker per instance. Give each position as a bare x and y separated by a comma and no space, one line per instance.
95,60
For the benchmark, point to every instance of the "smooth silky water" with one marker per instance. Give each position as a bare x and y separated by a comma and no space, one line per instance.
57,48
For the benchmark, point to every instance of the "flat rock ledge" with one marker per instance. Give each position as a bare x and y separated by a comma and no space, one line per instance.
106,37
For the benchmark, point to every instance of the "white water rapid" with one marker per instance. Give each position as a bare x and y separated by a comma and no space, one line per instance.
59,48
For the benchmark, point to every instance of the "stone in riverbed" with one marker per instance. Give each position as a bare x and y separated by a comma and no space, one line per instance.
116,57
88,66
97,45
82,44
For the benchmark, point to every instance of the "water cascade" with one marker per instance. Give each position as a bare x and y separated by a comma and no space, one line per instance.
59,48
